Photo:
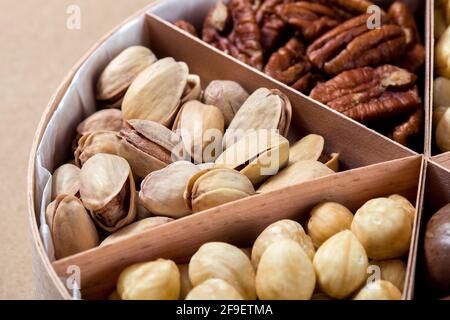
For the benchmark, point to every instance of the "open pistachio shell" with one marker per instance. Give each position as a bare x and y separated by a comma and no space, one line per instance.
296,173
66,180
97,142
162,191
308,148
213,187
333,163
122,70
135,228
71,227
226,95
201,128
264,109
193,89
156,93
108,120
107,190
258,155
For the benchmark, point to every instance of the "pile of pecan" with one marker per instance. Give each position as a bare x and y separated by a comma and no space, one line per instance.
337,51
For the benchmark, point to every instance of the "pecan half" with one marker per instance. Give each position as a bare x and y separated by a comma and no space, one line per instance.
411,127
347,8
311,19
369,94
273,28
414,56
290,66
186,26
352,45
243,40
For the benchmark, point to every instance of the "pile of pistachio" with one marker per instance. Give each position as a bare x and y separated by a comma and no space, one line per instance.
330,260
161,148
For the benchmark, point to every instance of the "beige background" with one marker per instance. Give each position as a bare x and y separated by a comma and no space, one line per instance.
37,50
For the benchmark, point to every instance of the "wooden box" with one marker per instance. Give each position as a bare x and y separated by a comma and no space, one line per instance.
373,165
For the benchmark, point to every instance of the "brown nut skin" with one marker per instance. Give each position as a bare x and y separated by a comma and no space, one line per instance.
327,219
71,227
384,228
214,289
379,290
409,129
226,95
278,231
187,27
393,270
341,265
223,261
285,272
155,280
437,250
370,94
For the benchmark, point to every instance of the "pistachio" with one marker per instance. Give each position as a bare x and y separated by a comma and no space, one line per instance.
185,282
308,148
407,206
258,155
443,132
326,219
264,109
156,92
71,227
214,289
162,191
121,71
212,187
383,227
135,228
299,172
103,120
155,280
66,180
333,162
379,290
285,272
341,265
107,190
97,142
226,95
223,261
193,88
393,270
281,230
201,129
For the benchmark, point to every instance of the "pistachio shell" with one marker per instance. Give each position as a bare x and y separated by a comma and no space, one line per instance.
104,178
299,172
201,128
258,155
122,70
264,109
162,191
218,260
193,89
214,289
108,120
333,163
66,180
135,228
71,227
97,142
156,92
308,148
213,187
226,95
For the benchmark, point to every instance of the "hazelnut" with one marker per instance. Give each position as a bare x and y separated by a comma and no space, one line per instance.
410,209
223,261
155,280
383,226
327,219
214,289
285,272
341,265
393,271
379,290
281,230
185,283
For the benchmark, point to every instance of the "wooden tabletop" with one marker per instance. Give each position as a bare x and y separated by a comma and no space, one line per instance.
37,51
